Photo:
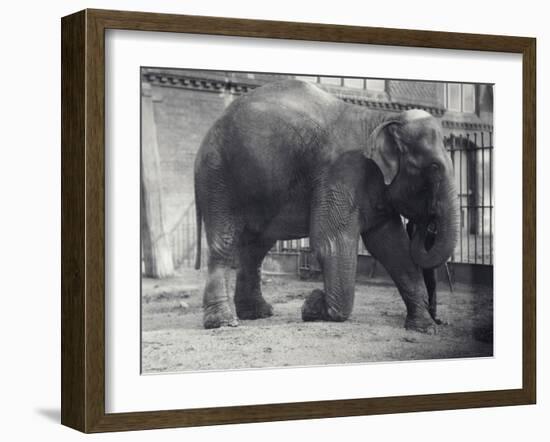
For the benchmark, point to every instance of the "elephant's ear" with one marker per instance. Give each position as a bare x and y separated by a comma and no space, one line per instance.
385,149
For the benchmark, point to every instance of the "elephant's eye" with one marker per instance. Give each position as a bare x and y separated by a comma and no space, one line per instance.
413,169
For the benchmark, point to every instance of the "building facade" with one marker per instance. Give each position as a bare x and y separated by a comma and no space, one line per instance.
187,102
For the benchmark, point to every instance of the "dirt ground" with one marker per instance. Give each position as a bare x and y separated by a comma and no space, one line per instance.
173,338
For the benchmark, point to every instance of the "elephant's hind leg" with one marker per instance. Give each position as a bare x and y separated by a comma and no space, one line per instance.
249,302
217,310
222,236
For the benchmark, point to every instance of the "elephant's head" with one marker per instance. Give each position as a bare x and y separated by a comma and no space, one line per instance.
419,179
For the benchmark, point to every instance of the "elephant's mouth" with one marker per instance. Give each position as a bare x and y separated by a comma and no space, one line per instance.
436,237
431,233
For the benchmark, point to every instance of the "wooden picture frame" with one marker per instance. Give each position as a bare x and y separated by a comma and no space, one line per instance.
83,220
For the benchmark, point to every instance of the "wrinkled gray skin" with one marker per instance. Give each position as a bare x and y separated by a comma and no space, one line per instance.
288,161
429,276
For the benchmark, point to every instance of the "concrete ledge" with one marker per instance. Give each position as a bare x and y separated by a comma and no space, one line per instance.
462,273
281,263
288,263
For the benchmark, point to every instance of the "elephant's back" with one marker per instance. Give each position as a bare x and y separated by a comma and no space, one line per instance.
279,128
286,120
269,143
291,96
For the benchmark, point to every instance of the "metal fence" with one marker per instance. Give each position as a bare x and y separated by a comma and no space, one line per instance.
183,238
472,156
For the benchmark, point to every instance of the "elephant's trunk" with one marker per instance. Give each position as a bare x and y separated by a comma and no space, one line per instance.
434,239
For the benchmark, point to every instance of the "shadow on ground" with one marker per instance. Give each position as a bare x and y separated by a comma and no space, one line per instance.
173,338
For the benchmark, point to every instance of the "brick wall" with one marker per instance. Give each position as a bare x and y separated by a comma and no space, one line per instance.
182,117
416,92
186,103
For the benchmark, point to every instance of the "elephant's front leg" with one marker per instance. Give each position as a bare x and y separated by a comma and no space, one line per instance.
338,260
431,286
389,244
249,302
429,279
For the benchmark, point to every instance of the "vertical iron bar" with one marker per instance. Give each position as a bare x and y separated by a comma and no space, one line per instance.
171,240
177,241
454,177
467,160
482,199
185,247
181,240
474,186
491,197
185,252
176,238
461,200
195,238
174,245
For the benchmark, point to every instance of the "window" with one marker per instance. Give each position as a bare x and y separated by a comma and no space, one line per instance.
468,98
352,83
335,81
356,83
309,78
453,97
460,97
376,85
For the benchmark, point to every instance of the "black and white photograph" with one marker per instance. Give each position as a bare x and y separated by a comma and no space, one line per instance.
299,219
258,221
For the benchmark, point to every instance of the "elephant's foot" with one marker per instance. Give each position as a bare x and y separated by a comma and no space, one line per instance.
438,319
253,308
421,323
315,307
219,315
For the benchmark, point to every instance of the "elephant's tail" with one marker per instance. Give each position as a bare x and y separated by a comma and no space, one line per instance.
199,236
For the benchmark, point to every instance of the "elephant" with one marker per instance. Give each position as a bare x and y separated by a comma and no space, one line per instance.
429,277
290,160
